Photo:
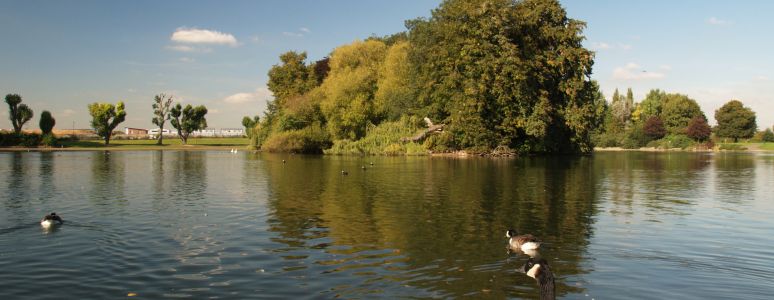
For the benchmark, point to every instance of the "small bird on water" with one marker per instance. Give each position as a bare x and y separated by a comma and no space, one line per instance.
344,172
50,220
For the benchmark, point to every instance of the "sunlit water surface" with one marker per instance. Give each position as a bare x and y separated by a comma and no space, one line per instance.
188,224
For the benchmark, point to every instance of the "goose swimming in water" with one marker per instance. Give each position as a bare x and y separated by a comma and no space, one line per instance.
50,220
524,242
541,272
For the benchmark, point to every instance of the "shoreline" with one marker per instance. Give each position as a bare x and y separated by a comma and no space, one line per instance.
456,154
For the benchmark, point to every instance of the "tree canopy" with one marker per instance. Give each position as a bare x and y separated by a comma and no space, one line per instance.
106,117
735,121
18,112
187,120
47,122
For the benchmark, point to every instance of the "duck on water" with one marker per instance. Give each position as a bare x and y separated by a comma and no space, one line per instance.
50,220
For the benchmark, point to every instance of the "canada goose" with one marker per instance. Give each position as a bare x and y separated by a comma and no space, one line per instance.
541,272
344,172
522,242
50,220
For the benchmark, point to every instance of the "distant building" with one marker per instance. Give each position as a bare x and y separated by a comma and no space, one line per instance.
223,132
153,133
135,131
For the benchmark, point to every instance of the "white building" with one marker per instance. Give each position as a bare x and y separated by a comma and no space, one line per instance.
223,132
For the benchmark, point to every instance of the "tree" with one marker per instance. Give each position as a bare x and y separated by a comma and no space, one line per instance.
735,121
768,136
161,106
187,120
652,104
654,128
677,111
47,122
698,129
293,77
348,101
19,113
249,124
105,117
505,73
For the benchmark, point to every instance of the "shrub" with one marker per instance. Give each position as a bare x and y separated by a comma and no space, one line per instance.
676,141
48,140
654,128
19,139
311,139
381,140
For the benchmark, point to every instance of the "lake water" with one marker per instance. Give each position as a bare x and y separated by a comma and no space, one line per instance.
188,224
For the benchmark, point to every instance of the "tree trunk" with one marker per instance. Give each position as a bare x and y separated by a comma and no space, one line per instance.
107,139
161,135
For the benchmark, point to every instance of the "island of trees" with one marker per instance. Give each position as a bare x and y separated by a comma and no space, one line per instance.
483,76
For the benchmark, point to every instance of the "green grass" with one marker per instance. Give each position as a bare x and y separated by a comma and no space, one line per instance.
151,144
747,146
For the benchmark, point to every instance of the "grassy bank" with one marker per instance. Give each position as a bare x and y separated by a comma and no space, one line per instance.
169,144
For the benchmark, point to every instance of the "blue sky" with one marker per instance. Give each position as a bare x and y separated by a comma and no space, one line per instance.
62,55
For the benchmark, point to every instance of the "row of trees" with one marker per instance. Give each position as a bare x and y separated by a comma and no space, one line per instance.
670,120
107,116
498,73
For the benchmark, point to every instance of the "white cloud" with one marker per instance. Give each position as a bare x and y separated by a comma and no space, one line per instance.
606,46
188,49
203,36
260,94
665,67
600,46
186,60
718,22
67,112
212,111
300,33
762,78
633,71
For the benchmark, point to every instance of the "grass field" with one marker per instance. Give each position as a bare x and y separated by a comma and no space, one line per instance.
197,143
749,146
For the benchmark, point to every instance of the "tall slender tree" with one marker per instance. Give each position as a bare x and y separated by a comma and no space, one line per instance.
162,103
105,118
47,122
19,113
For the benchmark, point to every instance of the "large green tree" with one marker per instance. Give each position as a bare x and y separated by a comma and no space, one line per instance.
677,111
18,112
105,117
506,73
348,102
735,121
47,122
187,120
162,104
